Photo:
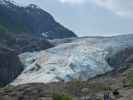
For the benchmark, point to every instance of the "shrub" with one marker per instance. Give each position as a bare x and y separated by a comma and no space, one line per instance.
129,84
101,98
65,97
107,88
57,96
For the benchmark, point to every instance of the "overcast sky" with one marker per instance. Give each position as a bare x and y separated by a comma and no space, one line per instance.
90,17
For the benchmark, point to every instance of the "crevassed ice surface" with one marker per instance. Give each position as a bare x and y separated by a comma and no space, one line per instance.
81,59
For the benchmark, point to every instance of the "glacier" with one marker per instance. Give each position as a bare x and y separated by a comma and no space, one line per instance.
80,59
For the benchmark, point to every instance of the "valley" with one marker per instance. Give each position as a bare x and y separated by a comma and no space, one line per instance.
40,59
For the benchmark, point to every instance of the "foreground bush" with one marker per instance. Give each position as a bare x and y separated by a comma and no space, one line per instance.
57,96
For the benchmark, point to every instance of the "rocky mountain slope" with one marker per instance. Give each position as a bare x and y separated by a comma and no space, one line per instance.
81,59
10,65
17,21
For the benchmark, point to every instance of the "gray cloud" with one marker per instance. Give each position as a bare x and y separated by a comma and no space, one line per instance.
120,7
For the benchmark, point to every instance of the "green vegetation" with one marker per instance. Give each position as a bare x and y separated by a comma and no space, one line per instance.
57,96
107,88
130,75
129,84
8,29
101,98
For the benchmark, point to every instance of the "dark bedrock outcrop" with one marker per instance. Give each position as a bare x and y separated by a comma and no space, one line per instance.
10,65
120,62
120,58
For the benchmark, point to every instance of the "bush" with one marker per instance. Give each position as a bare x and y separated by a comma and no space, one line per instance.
66,97
107,88
57,96
129,84
101,98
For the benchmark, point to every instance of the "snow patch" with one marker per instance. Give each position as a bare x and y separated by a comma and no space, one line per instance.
7,3
45,34
33,6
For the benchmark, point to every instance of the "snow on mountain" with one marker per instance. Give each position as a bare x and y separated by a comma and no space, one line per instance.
8,3
34,6
80,59
5,3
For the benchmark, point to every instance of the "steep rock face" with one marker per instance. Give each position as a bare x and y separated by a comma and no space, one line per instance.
28,43
17,22
25,43
81,59
45,25
32,20
10,65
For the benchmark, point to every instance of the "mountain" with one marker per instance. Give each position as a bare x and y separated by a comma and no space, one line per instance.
80,59
31,21
10,65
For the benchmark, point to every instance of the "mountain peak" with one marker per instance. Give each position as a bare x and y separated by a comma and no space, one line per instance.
33,6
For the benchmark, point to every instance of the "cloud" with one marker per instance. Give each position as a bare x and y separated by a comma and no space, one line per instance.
119,7
73,1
